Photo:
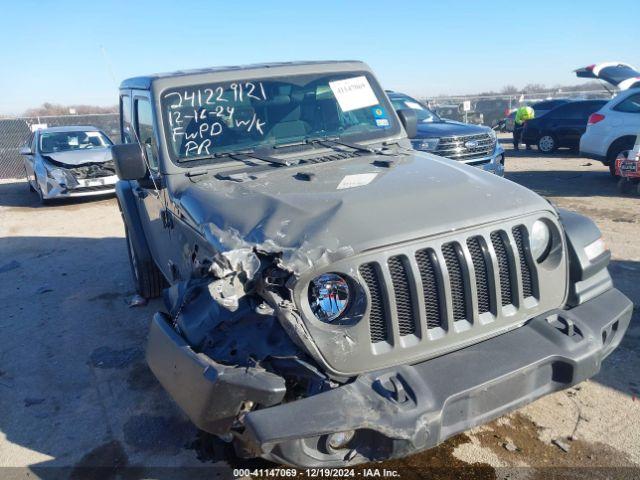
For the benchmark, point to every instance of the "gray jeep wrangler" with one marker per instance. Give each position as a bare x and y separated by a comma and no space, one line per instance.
333,296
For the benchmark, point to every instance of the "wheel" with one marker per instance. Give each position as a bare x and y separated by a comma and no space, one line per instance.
625,186
38,190
147,278
618,148
547,144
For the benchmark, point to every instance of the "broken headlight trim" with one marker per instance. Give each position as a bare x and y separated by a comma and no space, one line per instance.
329,296
58,175
540,240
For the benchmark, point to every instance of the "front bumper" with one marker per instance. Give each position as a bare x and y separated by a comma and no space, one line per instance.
79,187
493,164
397,411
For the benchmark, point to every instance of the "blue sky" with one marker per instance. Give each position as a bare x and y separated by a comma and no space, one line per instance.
53,50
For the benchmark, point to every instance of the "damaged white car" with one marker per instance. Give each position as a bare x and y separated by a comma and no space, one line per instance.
71,161
334,296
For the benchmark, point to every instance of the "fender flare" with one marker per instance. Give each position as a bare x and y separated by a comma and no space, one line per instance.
588,278
127,204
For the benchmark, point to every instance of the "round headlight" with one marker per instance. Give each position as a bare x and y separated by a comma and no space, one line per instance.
329,296
540,240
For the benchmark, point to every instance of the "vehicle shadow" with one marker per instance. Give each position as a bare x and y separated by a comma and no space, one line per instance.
17,194
620,370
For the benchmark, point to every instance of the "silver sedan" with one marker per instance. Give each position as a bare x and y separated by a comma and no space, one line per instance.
72,161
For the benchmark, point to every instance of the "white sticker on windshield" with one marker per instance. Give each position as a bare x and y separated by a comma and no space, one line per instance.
358,180
353,93
413,105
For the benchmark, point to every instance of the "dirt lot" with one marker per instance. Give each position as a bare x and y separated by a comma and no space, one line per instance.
75,392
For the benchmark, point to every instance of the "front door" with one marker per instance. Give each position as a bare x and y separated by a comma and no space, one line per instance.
149,191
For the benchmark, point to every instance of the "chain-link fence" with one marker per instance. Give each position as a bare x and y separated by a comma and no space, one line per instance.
491,109
14,131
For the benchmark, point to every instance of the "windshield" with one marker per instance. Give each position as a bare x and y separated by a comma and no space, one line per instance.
423,113
51,142
204,120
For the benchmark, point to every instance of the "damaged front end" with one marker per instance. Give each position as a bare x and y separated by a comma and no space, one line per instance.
234,354
64,180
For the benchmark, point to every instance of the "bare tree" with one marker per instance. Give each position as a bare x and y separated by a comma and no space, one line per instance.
48,108
509,90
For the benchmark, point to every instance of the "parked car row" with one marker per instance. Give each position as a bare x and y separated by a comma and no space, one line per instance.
599,129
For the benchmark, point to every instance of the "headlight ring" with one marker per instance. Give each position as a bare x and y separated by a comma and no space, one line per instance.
540,240
329,297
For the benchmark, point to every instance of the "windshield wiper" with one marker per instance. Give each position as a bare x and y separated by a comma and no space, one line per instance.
333,141
327,142
261,155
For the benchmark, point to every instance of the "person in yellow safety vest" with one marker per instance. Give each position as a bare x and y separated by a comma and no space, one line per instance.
523,114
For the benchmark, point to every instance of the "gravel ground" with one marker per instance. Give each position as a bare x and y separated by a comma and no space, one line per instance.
75,392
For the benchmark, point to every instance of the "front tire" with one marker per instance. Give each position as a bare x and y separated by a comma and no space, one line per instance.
147,278
547,144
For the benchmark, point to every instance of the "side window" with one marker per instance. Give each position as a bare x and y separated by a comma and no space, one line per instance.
629,105
125,119
144,130
573,111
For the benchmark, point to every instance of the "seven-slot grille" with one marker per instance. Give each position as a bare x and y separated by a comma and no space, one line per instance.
466,147
438,288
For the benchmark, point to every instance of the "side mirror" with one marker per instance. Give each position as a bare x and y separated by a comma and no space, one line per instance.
129,161
26,150
409,121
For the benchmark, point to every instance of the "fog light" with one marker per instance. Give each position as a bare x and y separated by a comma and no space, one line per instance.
338,440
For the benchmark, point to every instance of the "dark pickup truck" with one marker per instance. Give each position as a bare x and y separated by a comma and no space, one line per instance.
333,296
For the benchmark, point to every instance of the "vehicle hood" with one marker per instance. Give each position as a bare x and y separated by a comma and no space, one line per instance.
75,158
315,222
448,128
620,75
